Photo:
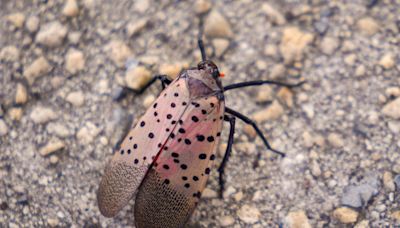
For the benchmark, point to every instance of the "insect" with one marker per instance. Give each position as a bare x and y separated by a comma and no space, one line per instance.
167,157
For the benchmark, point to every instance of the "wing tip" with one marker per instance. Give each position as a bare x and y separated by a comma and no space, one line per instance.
117,187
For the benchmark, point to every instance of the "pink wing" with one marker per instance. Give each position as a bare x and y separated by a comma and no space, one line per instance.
173,185
130,164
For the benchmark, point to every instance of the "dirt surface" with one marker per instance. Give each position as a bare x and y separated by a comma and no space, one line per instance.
63,64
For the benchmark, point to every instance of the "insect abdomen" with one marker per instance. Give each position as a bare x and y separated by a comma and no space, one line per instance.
158,206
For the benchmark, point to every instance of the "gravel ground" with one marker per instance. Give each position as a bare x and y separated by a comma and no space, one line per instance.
64,63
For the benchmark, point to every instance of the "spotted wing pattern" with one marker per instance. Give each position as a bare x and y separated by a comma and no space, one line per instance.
140,147
173,185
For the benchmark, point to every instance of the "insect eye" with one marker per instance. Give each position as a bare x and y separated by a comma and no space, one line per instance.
215,74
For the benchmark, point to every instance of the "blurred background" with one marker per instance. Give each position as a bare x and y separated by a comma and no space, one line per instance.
64,64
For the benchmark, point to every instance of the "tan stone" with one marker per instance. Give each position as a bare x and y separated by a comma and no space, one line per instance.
38,68
74,61
216,25
172,70
392,109
51,147
273,112
118,52
345,215
10,54
293,43
52,34
17,19
71,8
297,219
368,26
137,77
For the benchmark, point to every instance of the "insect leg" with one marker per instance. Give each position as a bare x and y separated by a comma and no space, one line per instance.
259,133
261,82
228,151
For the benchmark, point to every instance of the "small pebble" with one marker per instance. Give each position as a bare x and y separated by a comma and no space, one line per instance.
392,109
74,61
265,94
3,128
118,52
357,196
216,25
315,169
277,71
388,181
335,140
368,26
297,219
76,98
238,196
387,61
396,215
392,92
17,19
309,110
271,50
10,54
272,112
249,214
87,133
220,46
226,220
209,193
249,131
58,129
21,96
362,224
293,43
345,215
15,113
54,159
74,37
308,139
52,34
172,70
350,59
273,14
329,45
37,68
51,147
41,115
360,71
136,26
137,77
202,6
32,24
53,222
286,95
71,8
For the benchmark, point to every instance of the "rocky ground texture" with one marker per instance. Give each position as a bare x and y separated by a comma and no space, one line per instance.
63,65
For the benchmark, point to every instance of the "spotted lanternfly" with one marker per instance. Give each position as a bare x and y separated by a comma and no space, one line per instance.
167,157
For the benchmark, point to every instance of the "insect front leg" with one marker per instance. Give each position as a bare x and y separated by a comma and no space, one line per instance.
257,129
228,151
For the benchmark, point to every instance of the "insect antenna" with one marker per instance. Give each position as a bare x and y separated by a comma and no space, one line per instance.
200,40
